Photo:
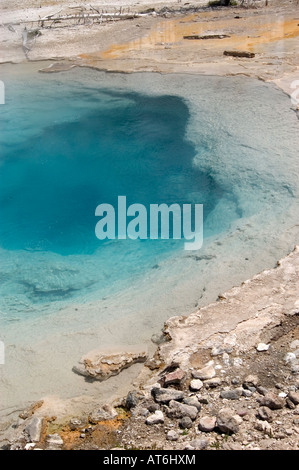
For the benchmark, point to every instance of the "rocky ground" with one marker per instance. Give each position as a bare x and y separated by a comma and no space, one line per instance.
227,391
233,403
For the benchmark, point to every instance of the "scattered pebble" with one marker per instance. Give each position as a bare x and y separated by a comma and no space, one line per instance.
262,347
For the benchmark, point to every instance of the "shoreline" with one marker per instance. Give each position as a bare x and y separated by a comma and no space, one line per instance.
127,46
228,67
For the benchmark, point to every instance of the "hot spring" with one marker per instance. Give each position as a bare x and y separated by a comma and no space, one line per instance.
80,138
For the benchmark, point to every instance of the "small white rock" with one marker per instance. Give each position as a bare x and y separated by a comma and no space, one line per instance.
172,435
196,384
30,445
54,439
237,362
262,347
290,357
155,418
225,358
282,394
294,344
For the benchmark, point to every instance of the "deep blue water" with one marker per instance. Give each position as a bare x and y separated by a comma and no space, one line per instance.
51,184
64,151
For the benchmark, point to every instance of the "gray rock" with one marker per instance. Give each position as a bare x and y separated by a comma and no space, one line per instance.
152,407
192,401
196,384
290,404
197,444
207,423
132,400
251,381
207,372
265,427
294,397
204,400
272,401
246,393
227,421
232,446
178,410
233,394
172,435
213,383
185,422
155,418
140,411
265,414
262,390
165,395
226,360
217,350
237,362
236,381
34,428
102,414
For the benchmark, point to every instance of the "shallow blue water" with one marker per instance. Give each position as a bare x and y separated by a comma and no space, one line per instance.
63,152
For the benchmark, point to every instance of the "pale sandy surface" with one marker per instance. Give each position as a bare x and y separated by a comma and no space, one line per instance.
155,43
